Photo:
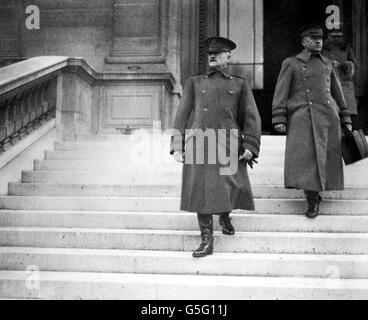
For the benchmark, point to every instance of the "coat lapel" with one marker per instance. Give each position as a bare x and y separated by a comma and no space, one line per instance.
306,55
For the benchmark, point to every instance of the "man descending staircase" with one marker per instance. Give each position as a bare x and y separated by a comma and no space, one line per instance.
95,220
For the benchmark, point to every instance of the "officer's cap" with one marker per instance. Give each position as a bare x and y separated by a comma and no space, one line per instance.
337,30
314,29
219,44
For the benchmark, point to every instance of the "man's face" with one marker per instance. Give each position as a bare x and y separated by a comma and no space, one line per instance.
335,38
219,59
313,43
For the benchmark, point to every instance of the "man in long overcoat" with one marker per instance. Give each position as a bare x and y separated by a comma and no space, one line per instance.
336,49
309,105
224,110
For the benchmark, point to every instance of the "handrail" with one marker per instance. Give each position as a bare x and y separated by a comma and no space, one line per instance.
27,96
20,73
37,89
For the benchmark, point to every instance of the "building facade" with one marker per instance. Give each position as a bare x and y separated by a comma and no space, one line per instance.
155,45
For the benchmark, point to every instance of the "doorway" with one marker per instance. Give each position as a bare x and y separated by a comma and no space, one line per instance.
282,20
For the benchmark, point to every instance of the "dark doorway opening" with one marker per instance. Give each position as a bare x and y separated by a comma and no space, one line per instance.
282,19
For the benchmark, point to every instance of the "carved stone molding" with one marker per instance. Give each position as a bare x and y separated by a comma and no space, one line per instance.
139,31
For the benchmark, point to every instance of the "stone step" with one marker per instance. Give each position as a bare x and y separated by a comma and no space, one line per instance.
173,262
130,158
98,165
86,165
156,204
243,222
142,156
154,169
162,159
159,176
173,190
85,285
173,240
108,146
107,190
102,176
78,164
267,143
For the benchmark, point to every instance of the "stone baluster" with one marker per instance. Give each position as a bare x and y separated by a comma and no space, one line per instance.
27,112
11,121
24,113
38,106
32,110
50,97
43,102
6,125
2,125
17,117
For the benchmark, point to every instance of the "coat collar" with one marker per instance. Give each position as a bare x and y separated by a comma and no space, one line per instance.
225,72
306,55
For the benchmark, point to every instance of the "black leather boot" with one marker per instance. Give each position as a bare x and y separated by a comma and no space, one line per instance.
205,222
313,200
225,223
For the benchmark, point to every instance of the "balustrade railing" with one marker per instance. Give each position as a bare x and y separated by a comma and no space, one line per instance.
24,111
36,90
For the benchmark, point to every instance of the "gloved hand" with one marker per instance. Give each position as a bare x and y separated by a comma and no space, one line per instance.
280,127
347,127
248,157
179,156
251,162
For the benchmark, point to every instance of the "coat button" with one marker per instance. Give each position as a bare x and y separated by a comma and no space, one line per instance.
328,68
203,91
231,91
328,90
328,101
310,102
305,78
308,91
205,109
230,77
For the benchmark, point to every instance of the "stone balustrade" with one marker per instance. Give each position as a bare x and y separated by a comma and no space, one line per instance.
82,100
24,111
36,90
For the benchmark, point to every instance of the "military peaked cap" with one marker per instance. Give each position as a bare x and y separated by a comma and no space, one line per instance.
219,44
336,31
314,29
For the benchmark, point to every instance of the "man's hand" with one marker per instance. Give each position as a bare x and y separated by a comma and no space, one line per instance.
347,127
280,127
179,156
248,157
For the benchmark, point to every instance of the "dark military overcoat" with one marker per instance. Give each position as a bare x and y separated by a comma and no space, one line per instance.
218,100
309,100
343,54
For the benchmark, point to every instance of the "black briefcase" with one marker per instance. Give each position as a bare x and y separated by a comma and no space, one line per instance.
354,147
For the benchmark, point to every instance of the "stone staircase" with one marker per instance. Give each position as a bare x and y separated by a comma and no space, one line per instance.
99,219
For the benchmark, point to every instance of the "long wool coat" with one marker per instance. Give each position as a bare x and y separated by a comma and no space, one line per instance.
343,54
309,100
218,100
